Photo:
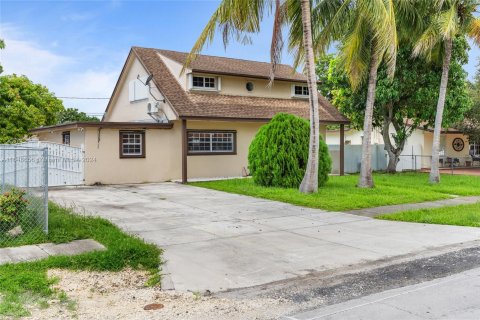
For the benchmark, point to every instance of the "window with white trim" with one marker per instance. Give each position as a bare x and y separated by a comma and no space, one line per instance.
300,91
132,144
214,142
201,82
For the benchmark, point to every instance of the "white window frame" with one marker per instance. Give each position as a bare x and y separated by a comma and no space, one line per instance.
217,82
299,95
141,135
210,133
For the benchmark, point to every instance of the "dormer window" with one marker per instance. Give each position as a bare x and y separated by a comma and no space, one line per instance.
203,82
200,82
300,91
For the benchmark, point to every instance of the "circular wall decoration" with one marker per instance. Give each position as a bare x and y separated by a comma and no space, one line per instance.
458,144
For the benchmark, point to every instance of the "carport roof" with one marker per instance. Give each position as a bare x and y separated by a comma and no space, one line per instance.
104,125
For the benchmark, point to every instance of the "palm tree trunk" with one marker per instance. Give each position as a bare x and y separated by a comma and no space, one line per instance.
366,180
310,180
434,171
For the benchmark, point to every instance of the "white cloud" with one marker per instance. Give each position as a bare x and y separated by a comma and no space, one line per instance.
64,75
27,58
90,83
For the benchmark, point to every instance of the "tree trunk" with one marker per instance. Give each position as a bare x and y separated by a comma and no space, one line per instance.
366,180
310,180
393,150
435,171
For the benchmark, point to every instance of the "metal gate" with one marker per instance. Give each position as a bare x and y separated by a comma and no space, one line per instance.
65,163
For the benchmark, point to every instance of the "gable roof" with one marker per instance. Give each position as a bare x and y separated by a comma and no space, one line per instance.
213,105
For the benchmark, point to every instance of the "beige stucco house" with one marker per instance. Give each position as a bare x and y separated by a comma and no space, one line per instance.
161,124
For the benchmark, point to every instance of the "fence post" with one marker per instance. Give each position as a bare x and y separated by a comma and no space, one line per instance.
4,160
45,190
15,167
28,170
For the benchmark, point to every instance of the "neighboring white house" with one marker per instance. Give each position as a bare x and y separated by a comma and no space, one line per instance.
418,149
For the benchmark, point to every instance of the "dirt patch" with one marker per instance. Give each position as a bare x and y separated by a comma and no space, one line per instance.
123,295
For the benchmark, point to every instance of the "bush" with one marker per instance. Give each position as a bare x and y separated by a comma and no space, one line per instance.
12,205
278,154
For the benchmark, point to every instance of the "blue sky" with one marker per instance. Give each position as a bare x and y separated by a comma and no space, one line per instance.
77,48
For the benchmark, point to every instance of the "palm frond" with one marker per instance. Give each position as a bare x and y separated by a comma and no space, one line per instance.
474,30
427,42
354,52
277,39
386,39
448,23
235,19
335,15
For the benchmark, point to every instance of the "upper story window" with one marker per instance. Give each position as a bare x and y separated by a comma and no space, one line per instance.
300,91
201,82
204,82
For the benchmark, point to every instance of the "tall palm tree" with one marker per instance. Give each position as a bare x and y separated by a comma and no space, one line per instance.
449,19
367,33
240,18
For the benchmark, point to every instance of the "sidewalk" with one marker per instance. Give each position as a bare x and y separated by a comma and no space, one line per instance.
44,250
453,297
373,212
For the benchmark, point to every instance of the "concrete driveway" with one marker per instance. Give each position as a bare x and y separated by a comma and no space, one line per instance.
217,241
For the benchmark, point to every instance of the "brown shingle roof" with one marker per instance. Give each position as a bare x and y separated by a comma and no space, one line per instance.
212,105
238,67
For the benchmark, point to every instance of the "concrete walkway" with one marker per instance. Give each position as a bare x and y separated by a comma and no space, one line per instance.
373,212
44,250
453,297
217,241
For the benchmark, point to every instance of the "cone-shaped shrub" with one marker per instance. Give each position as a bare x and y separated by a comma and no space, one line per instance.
278,154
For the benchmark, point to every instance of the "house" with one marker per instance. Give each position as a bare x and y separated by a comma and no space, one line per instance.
161,124
454,148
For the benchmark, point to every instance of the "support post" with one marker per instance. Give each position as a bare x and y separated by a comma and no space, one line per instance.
28,170
45,187
15,167
184,151
342,149
4,160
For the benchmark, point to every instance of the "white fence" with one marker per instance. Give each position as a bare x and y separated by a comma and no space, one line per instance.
65,163
410,159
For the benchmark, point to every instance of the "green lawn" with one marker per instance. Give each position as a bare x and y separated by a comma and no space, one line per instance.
464,215
26,282
341,193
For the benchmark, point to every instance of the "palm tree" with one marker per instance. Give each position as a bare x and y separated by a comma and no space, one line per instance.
238,19
449,19
367,33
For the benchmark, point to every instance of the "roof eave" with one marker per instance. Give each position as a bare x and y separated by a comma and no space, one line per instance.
104,125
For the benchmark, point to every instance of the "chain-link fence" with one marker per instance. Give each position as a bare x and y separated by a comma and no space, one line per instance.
24,194
445,162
